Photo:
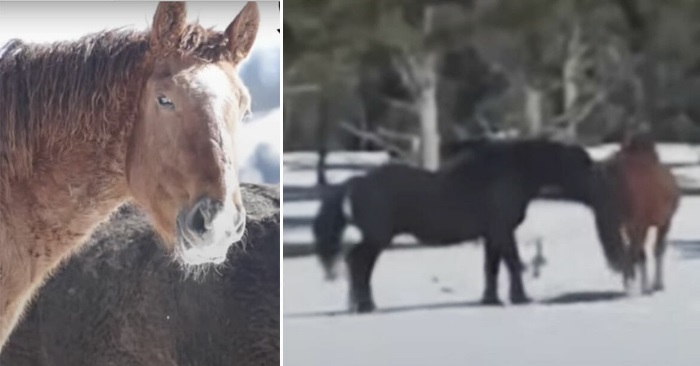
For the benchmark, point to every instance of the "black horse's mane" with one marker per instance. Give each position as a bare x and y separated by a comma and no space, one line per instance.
484,149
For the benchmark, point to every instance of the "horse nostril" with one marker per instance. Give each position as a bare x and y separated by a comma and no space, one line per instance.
200,218
197,222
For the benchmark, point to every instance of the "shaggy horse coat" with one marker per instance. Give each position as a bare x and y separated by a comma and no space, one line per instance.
117,116
123,301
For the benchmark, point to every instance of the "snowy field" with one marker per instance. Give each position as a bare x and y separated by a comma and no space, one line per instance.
428,311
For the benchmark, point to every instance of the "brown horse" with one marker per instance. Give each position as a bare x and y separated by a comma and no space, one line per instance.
117,116
635,210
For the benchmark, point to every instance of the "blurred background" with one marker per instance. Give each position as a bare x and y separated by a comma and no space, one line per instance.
579,68
368,82
258,139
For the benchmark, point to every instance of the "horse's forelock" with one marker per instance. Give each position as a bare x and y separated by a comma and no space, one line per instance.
193,40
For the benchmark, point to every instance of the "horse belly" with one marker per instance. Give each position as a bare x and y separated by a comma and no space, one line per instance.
446,232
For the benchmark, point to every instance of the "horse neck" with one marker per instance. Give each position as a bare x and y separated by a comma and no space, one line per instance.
75,182
66,198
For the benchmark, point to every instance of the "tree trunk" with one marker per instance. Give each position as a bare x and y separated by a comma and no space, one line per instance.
427,101
430,133
571,68
322,139
533,110
570,76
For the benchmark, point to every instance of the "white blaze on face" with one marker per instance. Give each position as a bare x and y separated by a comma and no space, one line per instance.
228,225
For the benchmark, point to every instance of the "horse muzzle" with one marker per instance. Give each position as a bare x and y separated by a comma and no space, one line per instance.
207,230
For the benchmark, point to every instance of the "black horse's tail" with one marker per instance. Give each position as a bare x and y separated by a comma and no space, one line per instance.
328,228
606,210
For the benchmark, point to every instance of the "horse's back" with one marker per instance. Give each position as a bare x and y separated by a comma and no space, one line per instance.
436,207
394,181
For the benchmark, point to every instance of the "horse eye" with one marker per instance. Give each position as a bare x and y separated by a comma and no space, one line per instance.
165,101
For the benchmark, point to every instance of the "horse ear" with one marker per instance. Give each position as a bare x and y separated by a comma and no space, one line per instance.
242,31
168,23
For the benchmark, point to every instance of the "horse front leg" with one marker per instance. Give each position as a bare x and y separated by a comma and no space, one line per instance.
644,276
515,269
659,250
492,263
628,260
636,279
647,252
361,261
508,249
659,273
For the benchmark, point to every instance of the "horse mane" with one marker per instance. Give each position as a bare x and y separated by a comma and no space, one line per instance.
606,206
465,150
87,88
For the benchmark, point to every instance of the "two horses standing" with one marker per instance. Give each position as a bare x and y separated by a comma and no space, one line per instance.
119,116
484,193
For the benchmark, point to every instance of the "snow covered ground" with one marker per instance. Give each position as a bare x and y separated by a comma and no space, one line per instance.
428,300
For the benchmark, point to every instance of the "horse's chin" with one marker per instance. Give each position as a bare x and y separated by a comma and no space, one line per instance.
197,253
211,247
193,258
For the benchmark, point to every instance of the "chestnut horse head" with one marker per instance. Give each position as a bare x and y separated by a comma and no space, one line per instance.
181,165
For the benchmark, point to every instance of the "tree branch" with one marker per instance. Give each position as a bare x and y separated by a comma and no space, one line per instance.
376,139
400,104
577,115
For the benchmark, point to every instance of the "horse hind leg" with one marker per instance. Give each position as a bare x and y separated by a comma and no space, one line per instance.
515,269
361,260
492,263
629,258
659,249
509,252
649,249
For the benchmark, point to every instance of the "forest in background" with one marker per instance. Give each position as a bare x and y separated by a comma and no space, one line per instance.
410,76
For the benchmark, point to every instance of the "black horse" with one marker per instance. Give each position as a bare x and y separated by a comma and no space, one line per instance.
124,301
482,193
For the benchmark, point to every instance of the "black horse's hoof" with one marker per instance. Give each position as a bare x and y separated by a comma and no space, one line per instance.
520,300
491,301
362,308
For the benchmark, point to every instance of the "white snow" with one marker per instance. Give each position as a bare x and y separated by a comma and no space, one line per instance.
428,312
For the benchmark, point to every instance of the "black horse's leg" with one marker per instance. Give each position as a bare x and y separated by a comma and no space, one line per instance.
361,260
492,262
509,251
